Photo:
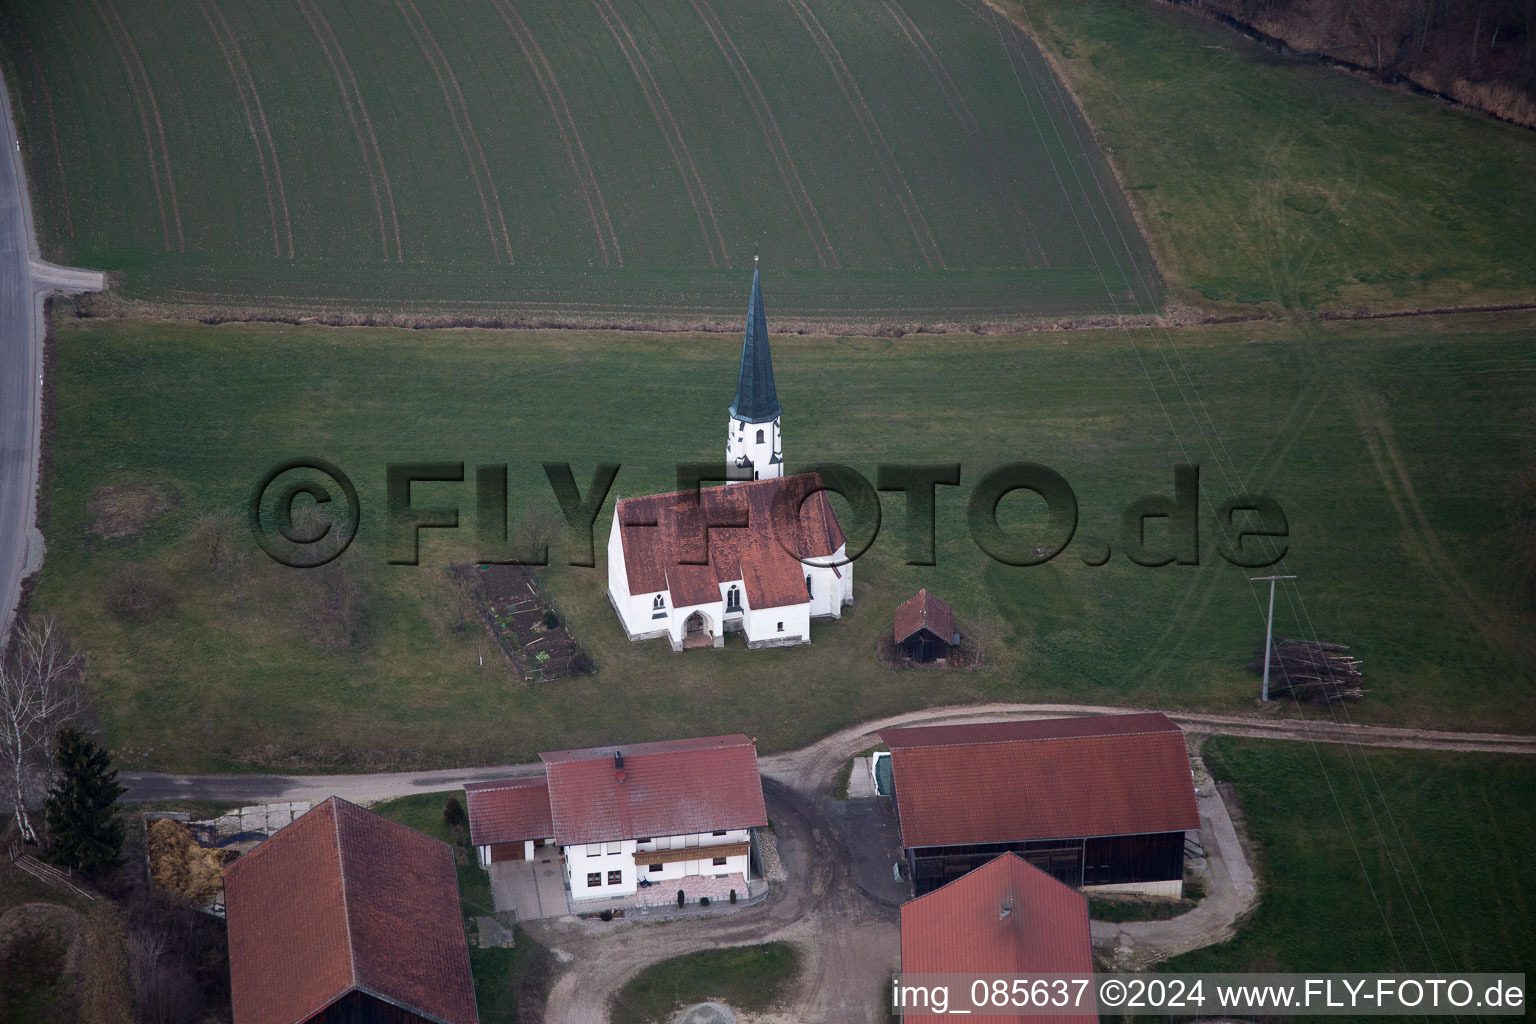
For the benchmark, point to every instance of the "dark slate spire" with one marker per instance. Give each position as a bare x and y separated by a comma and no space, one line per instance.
756,401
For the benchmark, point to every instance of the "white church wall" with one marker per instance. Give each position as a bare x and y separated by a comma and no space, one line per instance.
743,441
773,627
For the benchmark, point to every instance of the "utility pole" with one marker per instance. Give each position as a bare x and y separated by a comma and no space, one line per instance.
1269,629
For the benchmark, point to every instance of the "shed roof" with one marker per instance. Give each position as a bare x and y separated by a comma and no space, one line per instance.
676,787
664,535
1045,779
508,811
1006,917
344,900
925,612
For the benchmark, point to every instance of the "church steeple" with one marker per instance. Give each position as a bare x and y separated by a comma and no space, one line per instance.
753,440
756,400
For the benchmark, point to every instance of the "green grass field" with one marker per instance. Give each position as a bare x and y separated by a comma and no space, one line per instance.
582,160
1380,861
745,978
1391,445
1268,182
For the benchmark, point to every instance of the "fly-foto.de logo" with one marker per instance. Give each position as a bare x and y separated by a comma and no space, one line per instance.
304,512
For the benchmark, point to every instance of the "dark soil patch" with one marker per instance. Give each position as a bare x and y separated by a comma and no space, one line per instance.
127,510
524,623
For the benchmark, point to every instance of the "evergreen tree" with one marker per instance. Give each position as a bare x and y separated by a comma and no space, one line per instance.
83,830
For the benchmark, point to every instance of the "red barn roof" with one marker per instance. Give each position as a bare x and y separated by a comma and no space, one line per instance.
663,534
1051,779
1006,917
345,901
925,612
663,789
508,811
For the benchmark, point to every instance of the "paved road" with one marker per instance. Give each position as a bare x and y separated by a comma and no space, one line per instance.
25,280
819,760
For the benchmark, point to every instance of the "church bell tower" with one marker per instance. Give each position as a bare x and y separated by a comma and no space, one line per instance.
753,441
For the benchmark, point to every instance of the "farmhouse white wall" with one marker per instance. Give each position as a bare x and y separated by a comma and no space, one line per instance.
619,855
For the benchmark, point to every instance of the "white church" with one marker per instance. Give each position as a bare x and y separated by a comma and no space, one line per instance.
677,570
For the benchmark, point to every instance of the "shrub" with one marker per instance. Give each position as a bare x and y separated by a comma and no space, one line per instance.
681,897
606,915
551,620
453,813
703,901
733,895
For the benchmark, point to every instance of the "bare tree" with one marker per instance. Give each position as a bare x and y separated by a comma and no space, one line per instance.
539,527
40,692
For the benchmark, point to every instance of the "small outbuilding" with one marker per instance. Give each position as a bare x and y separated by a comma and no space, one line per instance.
925,628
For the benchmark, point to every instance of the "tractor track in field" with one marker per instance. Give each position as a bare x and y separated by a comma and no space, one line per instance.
778,149
148,107
362,124
565,123
463,126
849,86
245,86
693,182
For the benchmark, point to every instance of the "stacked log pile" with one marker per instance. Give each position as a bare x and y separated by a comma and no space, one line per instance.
1310,671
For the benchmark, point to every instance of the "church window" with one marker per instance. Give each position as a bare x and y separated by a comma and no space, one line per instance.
661,602
781,627
808,591
759,437
733,599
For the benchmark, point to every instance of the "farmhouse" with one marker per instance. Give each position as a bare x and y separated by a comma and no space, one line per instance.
1005,918
680,812
344,917
1099,803
762,556
925,628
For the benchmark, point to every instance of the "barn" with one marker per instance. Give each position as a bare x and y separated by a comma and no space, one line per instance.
1006,918
925,628
1099,803
345,917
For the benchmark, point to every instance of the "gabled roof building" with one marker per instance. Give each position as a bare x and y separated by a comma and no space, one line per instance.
1004,918
649,812
761,556
344,917
1098,802
924,628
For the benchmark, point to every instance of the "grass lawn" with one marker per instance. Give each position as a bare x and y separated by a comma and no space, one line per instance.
1388,861
1266,181
509,983
593,161
745,978
1390,444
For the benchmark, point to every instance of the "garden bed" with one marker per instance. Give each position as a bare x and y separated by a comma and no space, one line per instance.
524,623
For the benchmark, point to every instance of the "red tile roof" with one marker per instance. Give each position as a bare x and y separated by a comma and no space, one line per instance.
664,789
925,612
340,901
508,811
1051,779
764,551
962,929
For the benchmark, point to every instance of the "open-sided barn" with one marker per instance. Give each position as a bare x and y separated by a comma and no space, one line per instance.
1099,803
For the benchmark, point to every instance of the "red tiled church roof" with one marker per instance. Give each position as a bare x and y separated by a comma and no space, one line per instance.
664,789
925,612
508,811
964,928
343,901
764,551
1051,779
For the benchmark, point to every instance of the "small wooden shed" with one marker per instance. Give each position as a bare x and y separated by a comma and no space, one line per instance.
925,628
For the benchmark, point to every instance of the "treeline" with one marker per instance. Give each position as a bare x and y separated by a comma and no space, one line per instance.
1477,52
